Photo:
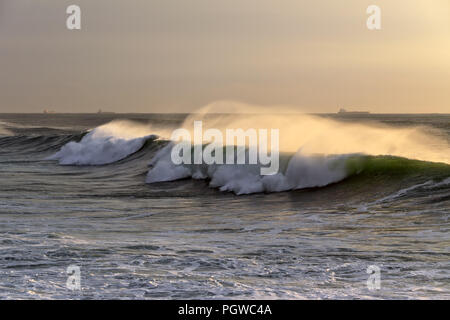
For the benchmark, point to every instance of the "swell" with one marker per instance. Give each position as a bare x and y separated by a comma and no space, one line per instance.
107,144
391,167
387,179
37,143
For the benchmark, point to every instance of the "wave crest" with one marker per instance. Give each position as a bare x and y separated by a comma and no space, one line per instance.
297,171
302,171
105,144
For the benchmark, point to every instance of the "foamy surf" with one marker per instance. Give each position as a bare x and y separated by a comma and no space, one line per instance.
302,171
105,144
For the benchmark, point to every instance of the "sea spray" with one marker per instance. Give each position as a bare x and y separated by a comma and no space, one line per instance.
241,147
319,134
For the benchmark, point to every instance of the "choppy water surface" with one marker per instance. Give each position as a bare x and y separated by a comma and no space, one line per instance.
185,239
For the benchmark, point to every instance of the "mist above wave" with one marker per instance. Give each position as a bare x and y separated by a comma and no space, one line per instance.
315,134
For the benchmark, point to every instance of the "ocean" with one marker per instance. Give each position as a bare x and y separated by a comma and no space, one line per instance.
96,191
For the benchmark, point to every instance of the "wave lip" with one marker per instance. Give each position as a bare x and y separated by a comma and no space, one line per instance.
103,145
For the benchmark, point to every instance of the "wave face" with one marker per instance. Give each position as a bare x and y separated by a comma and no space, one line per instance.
104,145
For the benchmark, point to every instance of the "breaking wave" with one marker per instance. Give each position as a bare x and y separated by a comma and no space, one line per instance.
297,171
105,144
314,152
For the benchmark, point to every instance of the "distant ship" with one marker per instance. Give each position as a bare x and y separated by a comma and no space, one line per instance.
48,111
104,112
343,111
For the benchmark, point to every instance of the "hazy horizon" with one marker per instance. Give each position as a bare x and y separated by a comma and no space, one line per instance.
194,111
166,56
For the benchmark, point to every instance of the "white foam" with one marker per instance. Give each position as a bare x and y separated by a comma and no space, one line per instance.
302,172
106,144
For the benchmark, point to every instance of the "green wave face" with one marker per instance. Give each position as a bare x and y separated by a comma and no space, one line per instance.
396,167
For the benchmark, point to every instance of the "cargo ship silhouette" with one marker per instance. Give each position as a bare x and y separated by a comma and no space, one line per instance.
344,111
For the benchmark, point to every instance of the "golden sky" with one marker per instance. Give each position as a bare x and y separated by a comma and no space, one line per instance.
177,56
